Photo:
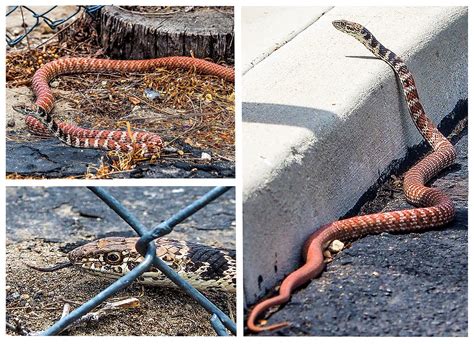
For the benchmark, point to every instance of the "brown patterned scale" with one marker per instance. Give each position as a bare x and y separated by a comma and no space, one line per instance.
436,208
204,267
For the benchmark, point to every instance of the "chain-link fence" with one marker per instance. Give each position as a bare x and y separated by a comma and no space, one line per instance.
46,16
146,246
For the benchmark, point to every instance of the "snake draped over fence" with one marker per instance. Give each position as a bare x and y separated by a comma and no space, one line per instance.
435,208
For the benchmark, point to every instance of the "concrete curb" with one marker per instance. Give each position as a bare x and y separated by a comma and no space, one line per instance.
260,22
330,119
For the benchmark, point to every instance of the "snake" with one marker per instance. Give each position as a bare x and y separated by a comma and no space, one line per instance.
434,208
206,268
40,121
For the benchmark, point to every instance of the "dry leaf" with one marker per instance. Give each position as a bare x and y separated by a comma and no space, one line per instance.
134,100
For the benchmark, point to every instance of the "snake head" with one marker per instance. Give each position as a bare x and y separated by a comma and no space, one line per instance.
113,255
26,110
348,27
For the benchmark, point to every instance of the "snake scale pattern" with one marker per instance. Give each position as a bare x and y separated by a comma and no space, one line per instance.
204,267
39,120
435,208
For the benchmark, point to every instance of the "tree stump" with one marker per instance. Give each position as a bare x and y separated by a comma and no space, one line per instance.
134,33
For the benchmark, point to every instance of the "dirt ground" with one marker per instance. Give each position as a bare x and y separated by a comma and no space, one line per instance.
63,220
35,299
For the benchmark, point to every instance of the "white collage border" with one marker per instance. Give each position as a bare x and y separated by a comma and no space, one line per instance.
237,182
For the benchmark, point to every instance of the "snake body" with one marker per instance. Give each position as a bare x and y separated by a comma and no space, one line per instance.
204,267
39,119
435,208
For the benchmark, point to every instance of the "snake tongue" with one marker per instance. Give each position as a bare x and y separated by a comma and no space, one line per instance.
51,268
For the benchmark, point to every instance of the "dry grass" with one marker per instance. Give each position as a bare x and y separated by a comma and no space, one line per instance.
196,109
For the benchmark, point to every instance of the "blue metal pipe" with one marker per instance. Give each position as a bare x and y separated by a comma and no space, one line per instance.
218,326
167,226
123,212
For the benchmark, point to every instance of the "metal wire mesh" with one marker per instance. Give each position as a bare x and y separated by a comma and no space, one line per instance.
147,247
44,16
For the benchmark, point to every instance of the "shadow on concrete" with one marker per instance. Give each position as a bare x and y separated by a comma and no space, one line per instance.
305,117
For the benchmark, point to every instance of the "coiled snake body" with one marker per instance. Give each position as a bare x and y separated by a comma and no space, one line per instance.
39,119
436,208
204,267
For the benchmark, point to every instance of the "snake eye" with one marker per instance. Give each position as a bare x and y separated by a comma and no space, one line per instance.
113,257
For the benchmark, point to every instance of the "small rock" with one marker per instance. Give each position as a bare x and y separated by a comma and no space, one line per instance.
55,84
11,123
152,94
375,273
336,246
206,156
327,254
15,295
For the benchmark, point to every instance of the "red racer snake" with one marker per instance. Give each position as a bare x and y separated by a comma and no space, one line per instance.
39,119
435,208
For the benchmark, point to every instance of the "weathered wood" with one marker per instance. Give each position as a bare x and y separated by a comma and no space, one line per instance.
204,32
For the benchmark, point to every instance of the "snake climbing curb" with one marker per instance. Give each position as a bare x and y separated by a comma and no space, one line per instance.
204,267
435,208
39,120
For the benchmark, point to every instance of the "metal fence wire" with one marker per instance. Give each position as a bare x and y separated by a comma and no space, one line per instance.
147,247
45,16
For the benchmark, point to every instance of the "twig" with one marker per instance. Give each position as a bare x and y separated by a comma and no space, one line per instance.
24,27
66,310
108,308
57,33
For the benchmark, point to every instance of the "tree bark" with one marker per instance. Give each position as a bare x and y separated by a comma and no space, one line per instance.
203,32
